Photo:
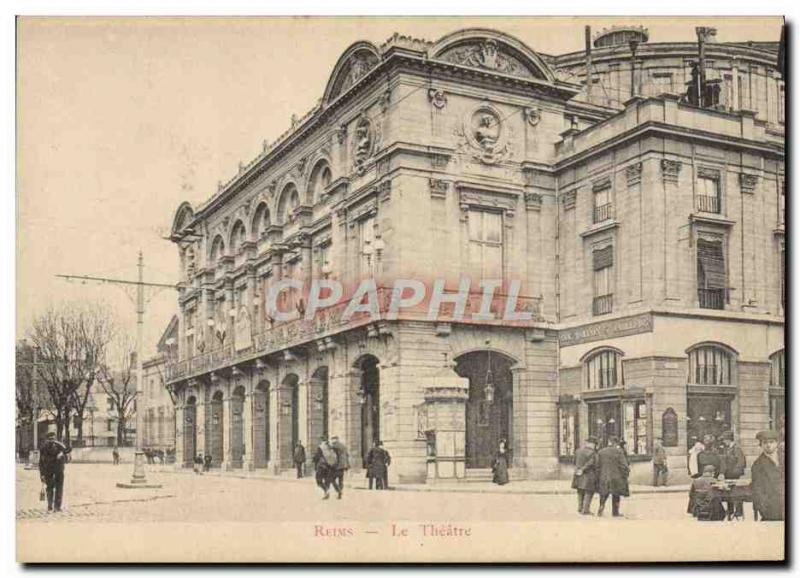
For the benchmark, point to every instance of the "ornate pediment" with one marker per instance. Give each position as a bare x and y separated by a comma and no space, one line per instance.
489,55
354,64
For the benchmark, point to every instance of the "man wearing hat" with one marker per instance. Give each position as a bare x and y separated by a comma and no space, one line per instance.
660,470
52,458
733,464
378,460
342,465
768,479
613,471
585,478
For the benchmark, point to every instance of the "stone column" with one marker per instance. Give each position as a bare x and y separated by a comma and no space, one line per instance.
735,105
227,425
248,459
445,405
274,429
180,428
201,424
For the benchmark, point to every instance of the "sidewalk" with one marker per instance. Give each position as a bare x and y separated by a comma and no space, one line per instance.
358,482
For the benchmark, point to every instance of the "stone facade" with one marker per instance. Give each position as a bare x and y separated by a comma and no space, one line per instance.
471,157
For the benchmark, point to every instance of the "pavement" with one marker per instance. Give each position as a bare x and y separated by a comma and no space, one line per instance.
244,517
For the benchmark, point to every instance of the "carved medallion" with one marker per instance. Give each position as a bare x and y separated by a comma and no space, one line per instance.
533,116
437,97
485,135
363,143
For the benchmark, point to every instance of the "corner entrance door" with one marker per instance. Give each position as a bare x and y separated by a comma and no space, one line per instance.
489,416
370,408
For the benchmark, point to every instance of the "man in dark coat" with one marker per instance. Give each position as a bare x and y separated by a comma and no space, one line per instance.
768,479
52,458
299,458
660,470
585,478
709,456
733,464
342,465
207,459
378,460
324,460
613,471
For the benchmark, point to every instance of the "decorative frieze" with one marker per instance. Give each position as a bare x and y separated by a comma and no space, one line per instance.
708,173
633,174
670,170
438,188
748,182
439,161
601,184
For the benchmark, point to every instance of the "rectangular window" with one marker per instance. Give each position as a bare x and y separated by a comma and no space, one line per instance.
708,195
602,205
486,244
567,430
662,83
603,281
781,104
110,425
110,403
711,276
323,265
781,202
605,420
635,431
707,415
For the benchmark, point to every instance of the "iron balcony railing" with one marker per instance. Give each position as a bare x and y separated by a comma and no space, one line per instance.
603,213
712,298
708,204
603,304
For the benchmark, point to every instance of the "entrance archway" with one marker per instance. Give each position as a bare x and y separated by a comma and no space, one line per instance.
289,418
237,427
217,423
261,425
489,410
189,431
318,406
369,394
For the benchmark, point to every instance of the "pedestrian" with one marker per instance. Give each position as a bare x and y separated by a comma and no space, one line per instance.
704,503
710,455
115,455
584,479
692,465
378,460
660,470
733,465
500,465
299,458
768,478
613,472
207,462
342,465
324,460
52,458
198,464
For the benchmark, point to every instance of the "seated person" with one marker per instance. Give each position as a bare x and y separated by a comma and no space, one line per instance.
704,502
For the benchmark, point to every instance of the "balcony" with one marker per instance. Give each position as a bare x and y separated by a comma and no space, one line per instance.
712,298
603,304
708,204
603,213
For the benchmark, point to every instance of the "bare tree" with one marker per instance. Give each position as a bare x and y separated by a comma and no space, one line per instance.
71,341
118,382
28,395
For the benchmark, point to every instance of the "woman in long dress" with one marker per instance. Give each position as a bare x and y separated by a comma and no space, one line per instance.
500,467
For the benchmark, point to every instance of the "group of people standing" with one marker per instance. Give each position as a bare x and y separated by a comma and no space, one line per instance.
202,463
604,472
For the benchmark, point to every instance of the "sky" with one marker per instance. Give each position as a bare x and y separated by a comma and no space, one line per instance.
120,120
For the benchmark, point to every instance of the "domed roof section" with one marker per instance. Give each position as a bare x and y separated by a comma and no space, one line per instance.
353,65
620,36
494,51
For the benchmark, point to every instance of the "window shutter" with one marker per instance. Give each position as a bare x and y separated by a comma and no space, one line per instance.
603,257
712,263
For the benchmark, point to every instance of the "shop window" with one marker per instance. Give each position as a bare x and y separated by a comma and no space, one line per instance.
777,402
568,440
604,369
635,433
710,365
707,415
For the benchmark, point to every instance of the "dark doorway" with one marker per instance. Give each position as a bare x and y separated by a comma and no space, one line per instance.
237,427
369,394
261,425
489,415
318,407
217,423
707,415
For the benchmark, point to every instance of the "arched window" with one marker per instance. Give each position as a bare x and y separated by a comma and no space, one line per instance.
711,365
289,201
320,180
778,369
217,250
604,369
237,237
260,221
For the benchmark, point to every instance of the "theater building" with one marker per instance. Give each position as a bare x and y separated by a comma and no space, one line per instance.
646,234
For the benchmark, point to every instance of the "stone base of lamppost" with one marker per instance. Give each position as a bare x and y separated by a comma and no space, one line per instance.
139,479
